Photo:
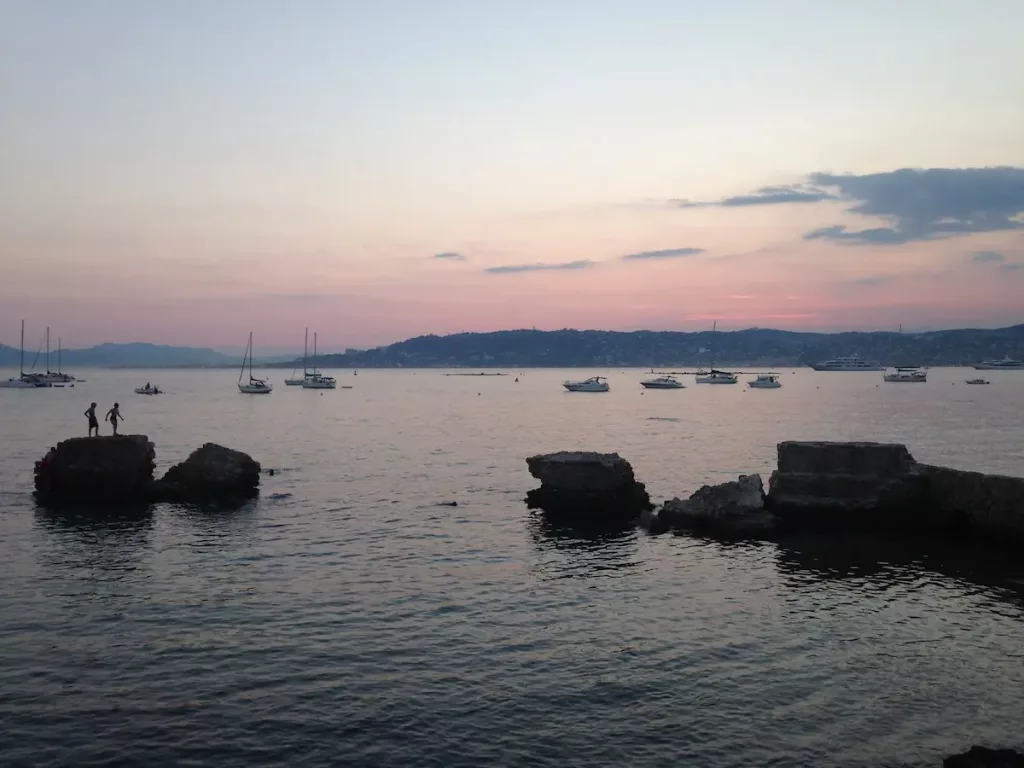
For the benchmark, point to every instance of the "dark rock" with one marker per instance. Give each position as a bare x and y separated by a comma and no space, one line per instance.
114,469
821,485
733,509
976,503
212,473
600,486
653,522
983,757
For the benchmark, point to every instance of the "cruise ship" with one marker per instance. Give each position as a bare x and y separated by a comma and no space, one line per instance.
1006,364
852,363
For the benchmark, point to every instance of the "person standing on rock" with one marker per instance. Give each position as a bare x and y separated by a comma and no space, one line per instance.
90,414
113,415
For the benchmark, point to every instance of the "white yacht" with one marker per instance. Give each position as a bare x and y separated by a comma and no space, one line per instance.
148,390
907,375
315,379
254,386
593,384
663,382
851,363
1006,364
716,377
767,381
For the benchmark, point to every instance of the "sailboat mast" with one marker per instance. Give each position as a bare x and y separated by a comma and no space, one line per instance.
305,352
21,360
244,358
250,355
47,349
58,354
314,351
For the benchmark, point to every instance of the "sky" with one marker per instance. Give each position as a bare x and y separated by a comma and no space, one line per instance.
186,172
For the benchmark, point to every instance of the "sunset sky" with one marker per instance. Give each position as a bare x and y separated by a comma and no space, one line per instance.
184,172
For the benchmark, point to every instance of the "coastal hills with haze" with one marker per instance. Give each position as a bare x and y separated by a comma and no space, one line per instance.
572,348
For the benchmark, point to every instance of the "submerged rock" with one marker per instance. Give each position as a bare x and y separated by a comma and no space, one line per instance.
983,757
211,473
733,509
115,469
587,484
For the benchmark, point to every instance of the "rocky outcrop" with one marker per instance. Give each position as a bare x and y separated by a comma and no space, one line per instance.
114,469
118,470
823,485
983,757
735,510
588,485
212,473
973,502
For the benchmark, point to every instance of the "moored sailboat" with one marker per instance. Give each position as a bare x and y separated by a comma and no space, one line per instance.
25,380
254,386
317,380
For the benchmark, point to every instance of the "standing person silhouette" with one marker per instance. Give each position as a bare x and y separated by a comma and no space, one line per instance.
90,414
113,415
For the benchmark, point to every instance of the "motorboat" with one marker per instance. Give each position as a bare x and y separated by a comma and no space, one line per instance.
315,379
716,377
593,384
907,376
766,381
25,380
978,381
1006,364
851,363
148,390
254,386
662,382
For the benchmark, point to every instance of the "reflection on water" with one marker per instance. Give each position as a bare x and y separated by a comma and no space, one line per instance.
578,549
108,540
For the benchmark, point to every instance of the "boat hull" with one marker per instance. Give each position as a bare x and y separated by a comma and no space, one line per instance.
651,385
17,384
255,389
847,369
293,382
755,385
585,388
996,367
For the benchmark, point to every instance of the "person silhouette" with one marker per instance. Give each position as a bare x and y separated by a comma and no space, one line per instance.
90,414
113,415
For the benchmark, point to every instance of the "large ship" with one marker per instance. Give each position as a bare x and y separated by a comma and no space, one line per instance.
852,363
1006,364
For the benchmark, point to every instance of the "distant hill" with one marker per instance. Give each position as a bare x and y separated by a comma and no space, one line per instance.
134,355
754,346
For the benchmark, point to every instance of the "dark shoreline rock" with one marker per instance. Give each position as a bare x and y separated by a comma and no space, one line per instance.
583,484
735,509
984,757
117,470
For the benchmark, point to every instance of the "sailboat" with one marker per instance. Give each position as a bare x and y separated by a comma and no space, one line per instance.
317,380
254,386
294,381
24,380
57,378
715,376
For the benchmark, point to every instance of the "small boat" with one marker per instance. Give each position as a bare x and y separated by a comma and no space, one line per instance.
315,379
254,386
1006,364
593,384
716,377
767,381
662,382
907,376
978,381
148,390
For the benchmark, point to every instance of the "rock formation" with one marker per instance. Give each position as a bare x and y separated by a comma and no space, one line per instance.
983,757
735,509
594,486
212,473
106,470
116,470
821,485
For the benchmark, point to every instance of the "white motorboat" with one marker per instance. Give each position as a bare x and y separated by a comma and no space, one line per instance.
851,363
767,381
254,386
977,381
663,382
716,377
148,390
907,376
296,381
1006,364
315,379
25,380
593,384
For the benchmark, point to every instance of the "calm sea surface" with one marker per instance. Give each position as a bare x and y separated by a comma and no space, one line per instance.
346,619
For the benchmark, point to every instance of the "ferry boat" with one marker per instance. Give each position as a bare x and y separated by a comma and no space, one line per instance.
662,382
851,363
1006,364
593,384
907,375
